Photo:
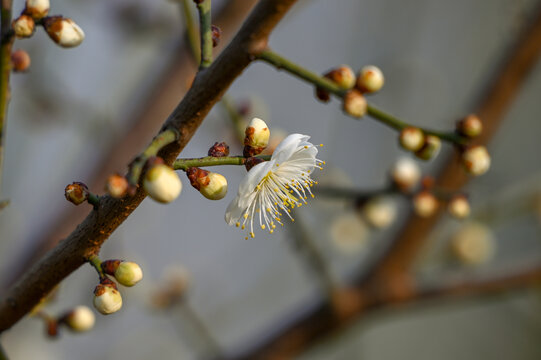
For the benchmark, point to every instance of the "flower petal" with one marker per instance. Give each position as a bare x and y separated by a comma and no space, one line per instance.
288,146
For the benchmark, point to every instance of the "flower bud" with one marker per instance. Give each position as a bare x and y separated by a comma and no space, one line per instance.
76,193
473,244
162,183
63,31
37,9
370,79
117,186
23,26
459,207
211,185
79,319
430,149
20,60
349,233
476,160
471,126
257,137
128,273
354,104
51,327
107,299
425,204
405,174
343,76
411,138
322,95
219,150
380,212
216,35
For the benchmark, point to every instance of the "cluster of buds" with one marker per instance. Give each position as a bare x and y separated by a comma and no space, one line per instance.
63,31
161,182
426,203
211,185
78,319
424,146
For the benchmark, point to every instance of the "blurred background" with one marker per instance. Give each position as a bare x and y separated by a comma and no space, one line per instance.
438,58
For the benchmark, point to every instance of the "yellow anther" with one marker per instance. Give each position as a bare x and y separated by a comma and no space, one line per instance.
293,220
252,234
243,227
246,238
271,231
306,146
263,227
313,196
237,224
321,145
273,226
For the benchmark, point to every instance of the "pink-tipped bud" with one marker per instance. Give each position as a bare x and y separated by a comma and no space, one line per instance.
63,31
343,76
76,193
257,137
219,149
406,174
370,79
476,160
471,126
117,186
211,185
430,149
355,104
80,319
107,299
37,9
412,138
425,204
162,183
459,207
23,26
20,60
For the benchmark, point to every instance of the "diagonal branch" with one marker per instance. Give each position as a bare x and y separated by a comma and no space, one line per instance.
208,87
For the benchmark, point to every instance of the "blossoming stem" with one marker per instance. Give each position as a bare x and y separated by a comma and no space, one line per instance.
235,117
7,39
280,62
163,139
95,261
184,164
205,28
191,29
201,331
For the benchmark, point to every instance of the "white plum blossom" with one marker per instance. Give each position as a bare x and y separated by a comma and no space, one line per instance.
274,187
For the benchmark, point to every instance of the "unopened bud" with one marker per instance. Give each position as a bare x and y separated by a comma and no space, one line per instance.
476,160
76,193
406,174
23,26
63,31
117,186
79,319
128,273
211,185
162,183
216,35
459,207
343,76
370,79
380,212
411,138
37,8
219,149
322,95
51,327
430,149
20,60
257,137
471,126
107,299
425,204
355,103
473,244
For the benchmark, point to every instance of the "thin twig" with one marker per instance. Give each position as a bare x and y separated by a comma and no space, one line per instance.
6,43
205,28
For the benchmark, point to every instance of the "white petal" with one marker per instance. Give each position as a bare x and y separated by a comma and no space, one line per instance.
253,177
234,211
288,146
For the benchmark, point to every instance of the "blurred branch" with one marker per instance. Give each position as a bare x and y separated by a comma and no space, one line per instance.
388,279
3,355
191,29
160,101
205,24
86,240
6,42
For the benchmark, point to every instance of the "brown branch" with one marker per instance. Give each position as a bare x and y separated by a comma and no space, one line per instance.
388,280
6,42
146,120
208,87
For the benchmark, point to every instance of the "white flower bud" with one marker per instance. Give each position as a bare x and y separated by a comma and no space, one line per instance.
107,300
380,212
37,8
406,174
80,319
425,204
476,160
412,138
257,134
370,79
348,233
63,31
216,188
117,186
23,26
430,149
354,104
162,183
473,244
128,273
343,76
471,126
459,207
